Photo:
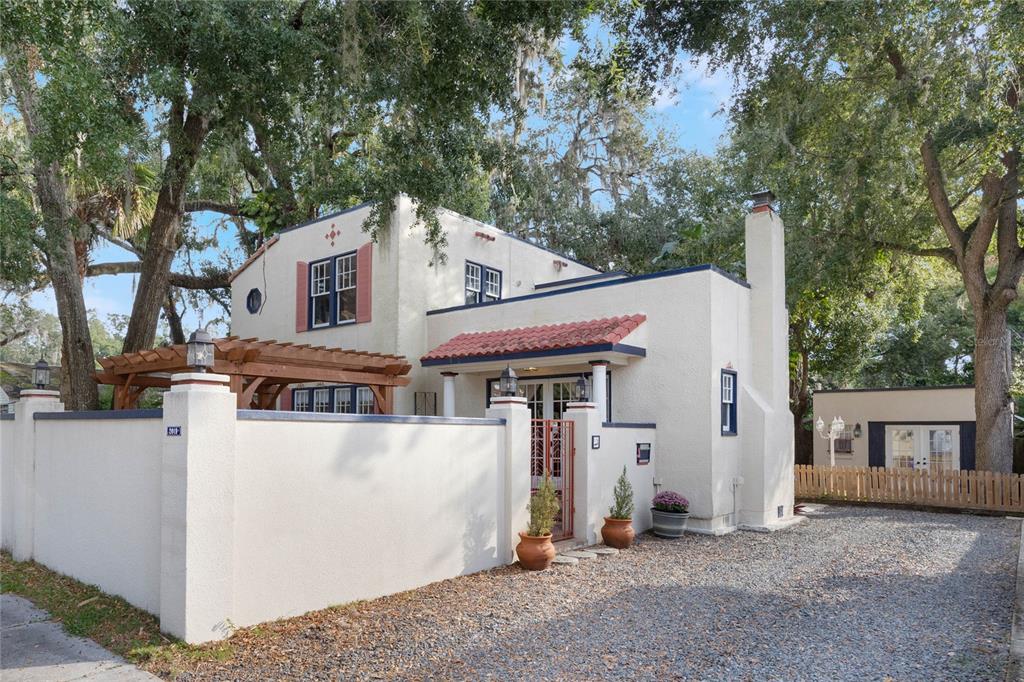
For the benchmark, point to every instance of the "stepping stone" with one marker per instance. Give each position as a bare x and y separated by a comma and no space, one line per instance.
601,550
580,554
565,560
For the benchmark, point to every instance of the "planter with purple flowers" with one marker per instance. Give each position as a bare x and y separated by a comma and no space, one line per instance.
669,513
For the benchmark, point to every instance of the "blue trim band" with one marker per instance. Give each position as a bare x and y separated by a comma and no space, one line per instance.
281,416
584,278
628,425
595,285
6,416
578,350
102,414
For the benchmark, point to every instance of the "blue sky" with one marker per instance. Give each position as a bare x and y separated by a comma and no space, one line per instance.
689,116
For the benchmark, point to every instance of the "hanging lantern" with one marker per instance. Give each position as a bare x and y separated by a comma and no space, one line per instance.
199,351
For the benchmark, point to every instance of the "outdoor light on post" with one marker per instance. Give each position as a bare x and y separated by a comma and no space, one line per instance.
835,430
509,382
199,351
581,390
41,374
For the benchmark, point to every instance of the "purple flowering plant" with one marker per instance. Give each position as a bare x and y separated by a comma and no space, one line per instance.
670,501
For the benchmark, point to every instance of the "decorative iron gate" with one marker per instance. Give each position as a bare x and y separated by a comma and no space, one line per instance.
552,450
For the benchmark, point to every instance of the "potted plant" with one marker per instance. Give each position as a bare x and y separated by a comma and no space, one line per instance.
669,514
618,525
535,549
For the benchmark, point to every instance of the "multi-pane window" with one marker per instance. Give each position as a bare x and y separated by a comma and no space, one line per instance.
332,291
482,283
322,400
345,286
300,401
728,402
320,293
344,399
364,400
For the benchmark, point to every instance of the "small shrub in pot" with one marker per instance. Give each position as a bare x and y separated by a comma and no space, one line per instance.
535,549
618,525
669,511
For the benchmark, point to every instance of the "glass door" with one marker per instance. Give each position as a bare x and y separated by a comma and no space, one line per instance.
548,398
935,448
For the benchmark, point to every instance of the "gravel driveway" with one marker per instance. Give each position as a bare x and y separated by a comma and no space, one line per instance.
852,594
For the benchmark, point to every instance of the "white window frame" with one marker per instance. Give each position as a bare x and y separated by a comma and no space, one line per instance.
345,280
345,391
728,398
365,402
319,286
474,282
492,284
300,400
324,393
922,444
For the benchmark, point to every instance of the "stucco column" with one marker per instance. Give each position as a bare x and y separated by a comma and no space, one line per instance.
197,508
588,517
515,465
23,507
449,393
599,381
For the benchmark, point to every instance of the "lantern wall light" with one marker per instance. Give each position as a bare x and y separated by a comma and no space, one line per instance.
199,351
41,374
509,382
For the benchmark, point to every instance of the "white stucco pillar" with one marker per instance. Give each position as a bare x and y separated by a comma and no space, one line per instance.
449,393
197,508
589,516
599,383
514,486
24,493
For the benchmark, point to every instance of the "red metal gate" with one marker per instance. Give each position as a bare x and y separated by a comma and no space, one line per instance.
552,450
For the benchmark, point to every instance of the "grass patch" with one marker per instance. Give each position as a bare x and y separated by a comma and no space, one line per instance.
86,611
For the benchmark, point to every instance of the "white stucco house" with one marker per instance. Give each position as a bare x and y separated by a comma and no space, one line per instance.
697,355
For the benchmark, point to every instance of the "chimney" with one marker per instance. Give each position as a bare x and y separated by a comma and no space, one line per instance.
766,273
763,200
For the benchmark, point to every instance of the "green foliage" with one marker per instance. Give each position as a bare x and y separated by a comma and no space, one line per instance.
623,506
543,508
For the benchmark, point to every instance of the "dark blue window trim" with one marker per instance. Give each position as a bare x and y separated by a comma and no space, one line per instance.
593,348
482,294
596,285
332,401
332,292
729,409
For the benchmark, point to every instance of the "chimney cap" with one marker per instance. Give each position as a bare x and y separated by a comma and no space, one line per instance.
763,198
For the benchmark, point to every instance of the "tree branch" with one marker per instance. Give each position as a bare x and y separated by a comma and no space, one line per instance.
943,252
217,279
215,206
940,198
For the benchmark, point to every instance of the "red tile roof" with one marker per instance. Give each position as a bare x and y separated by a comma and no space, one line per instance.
536,339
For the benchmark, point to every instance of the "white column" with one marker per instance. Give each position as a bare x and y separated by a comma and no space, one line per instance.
599,381
449,393
589,516
197,509
514,488
23,507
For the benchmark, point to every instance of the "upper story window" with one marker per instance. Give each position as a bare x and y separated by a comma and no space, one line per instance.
332,291
482,283
728,402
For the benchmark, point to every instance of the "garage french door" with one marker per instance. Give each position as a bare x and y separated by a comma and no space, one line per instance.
936,448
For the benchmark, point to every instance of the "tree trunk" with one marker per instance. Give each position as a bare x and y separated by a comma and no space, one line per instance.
186,140
994,441
174,319
79,390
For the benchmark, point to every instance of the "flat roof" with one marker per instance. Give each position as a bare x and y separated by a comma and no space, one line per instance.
890,388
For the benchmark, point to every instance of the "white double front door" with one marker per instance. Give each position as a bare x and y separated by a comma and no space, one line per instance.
922,447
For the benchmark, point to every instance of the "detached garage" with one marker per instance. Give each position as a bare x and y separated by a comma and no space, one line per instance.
909,428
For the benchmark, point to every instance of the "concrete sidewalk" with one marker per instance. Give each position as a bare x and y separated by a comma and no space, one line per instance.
34,648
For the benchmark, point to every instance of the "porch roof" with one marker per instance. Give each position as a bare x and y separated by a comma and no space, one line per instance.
569,338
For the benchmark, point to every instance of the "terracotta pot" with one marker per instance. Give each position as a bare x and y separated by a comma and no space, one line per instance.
535,552
618,533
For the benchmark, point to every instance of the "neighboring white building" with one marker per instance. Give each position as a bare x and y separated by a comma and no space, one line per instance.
909,428
697,352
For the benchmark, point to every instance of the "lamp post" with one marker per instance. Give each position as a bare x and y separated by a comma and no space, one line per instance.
199,351
835,430
509,382
41,374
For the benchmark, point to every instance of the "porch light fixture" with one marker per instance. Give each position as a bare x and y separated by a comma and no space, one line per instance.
857,431
509,382
199,351
41,374
581,390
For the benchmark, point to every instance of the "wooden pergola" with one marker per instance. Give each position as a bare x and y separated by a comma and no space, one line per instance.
259,370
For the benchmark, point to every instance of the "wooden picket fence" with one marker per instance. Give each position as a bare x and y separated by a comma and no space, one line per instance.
982,490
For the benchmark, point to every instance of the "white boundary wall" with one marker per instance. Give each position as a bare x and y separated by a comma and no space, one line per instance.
328,512
7,481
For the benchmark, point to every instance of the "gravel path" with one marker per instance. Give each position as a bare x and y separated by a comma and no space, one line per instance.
852,594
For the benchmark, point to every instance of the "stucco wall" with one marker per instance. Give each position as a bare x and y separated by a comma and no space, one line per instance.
6,481
97,503
893,405
331,511
618,448
676,385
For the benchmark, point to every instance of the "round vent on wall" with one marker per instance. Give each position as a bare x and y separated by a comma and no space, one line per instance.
254,301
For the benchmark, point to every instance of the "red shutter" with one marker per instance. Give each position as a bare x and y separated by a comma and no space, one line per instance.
301,296
286,399
364,282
